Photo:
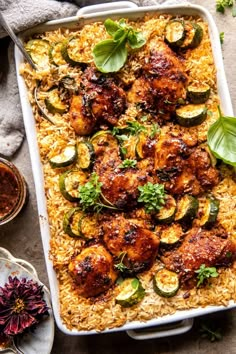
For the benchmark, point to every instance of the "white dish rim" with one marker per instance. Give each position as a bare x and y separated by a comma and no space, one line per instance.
226,105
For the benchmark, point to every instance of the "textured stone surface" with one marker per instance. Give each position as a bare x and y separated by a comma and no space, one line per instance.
22,238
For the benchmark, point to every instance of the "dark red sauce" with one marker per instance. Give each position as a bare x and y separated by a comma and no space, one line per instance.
9,190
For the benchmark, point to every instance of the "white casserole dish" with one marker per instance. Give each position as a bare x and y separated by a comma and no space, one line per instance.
183,319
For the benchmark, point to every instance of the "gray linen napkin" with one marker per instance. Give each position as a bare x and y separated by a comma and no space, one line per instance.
22,14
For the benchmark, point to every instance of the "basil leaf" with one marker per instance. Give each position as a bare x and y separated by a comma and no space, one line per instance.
119,34
136,39
221,138
111,27
110,56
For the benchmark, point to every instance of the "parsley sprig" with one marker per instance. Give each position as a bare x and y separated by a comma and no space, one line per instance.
221,5
153,196
121,266
128,163
111,54
90,195
210,331
203,273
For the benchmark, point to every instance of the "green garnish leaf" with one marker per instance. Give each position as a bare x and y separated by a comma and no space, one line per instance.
153,196
210,331
135,127
222,37
221,138
111,54
155,129
120,266
111,27
204,273
222,4
90,192
128,163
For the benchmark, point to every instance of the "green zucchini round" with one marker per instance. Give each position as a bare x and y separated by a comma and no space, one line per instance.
103,138
209,212
65,158
166,283
169,234
167,211
38,49
198,92
71,222
191,115
69,183
193,35
53,102
174,33
131,292
55,55
85,152
71,54
187,208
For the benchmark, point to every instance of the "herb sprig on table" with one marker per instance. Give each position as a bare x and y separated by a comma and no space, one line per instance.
111,54
210,331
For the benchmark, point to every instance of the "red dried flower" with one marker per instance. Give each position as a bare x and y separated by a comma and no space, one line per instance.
21,305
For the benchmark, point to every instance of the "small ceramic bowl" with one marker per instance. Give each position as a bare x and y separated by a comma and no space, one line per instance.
13,191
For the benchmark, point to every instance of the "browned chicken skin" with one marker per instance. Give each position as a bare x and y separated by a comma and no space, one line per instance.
209,247
162,83
100,102
139,244
93,271
182,169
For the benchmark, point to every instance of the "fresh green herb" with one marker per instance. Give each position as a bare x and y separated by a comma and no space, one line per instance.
222,37
154,130
221,138
128,163
222,4
123,150
144,118
120,266
204,273
111,54
132,128
208,330
153,196
168,102
90,194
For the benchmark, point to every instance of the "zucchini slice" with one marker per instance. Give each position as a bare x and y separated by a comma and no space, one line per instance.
174,33
166,283
191,114
85,152
193,35
198,92
71,52
167,212
187,208
103,138
169,235
69,183
53,102
38,49
210,212
65,158
131,292
55,55
69,84
89,226
71,222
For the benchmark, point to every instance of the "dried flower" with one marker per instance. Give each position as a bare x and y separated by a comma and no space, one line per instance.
21,305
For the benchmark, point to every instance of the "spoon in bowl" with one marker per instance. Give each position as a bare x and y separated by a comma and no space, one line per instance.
8,345
16,41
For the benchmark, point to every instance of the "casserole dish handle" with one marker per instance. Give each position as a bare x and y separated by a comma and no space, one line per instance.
111,6
171,329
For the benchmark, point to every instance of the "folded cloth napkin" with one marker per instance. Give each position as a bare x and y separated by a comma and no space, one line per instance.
22,14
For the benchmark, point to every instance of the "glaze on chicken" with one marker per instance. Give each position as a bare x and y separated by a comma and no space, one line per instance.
93,271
